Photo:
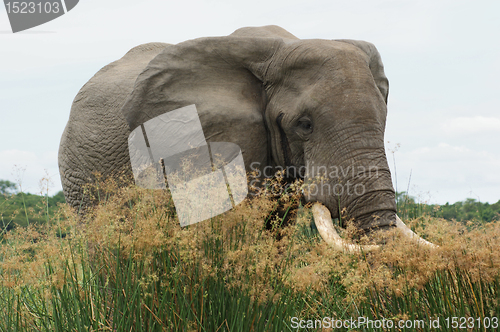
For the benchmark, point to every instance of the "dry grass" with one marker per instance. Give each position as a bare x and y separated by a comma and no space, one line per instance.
248,250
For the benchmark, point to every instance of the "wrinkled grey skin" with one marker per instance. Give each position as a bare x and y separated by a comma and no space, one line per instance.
284,101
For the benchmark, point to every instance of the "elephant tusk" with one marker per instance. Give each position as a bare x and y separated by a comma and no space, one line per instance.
323,221
408,232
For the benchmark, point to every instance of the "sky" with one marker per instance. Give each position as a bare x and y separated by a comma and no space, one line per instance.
441,58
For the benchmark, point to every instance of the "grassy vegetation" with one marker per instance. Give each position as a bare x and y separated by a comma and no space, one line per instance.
128,266
22,209
469,210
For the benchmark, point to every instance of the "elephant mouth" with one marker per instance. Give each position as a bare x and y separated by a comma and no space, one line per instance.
323,221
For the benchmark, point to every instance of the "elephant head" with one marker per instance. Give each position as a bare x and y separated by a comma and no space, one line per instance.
312,105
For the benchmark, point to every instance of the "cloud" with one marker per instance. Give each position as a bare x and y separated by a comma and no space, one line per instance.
29,168
448,173
469,125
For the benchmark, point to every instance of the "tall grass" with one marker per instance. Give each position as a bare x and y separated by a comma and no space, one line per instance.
128,266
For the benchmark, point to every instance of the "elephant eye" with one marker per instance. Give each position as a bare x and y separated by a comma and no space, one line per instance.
305,125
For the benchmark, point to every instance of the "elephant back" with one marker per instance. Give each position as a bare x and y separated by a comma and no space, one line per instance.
95,137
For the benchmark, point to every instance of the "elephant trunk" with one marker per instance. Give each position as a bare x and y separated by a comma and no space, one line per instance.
359,188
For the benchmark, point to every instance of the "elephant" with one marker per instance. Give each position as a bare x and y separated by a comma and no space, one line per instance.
311,104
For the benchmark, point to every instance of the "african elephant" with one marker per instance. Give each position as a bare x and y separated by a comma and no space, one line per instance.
317,105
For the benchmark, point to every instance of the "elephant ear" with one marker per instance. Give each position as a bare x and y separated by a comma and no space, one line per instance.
375,63
212,73
222,76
